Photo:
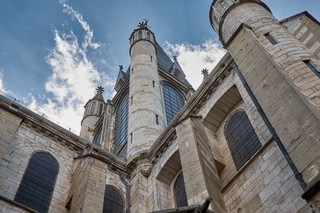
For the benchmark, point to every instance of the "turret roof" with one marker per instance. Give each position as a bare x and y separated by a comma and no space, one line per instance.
99,95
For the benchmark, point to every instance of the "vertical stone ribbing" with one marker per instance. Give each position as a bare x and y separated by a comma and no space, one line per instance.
277,73
289,53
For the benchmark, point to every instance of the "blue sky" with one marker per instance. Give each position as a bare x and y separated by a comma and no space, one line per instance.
55,52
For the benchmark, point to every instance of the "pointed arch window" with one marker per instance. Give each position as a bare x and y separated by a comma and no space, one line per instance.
179,190
140,34
100,108
113,201
93,107
37,185
148,36
173,101
242,140
97,137
121,124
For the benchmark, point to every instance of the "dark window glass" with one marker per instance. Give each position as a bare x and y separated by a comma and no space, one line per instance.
121,123
97,137
180,192
312,68
242,140
37,184
271,39
148,36
88,109
140,34
113,201
173,101
93,107
100,108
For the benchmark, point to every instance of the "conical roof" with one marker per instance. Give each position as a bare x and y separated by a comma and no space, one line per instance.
99,95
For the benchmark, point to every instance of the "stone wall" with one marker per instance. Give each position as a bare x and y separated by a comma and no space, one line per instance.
9,123
266,184
161,179
292,119
306,30
10,206
28,140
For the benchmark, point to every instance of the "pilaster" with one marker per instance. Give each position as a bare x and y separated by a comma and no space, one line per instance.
200,174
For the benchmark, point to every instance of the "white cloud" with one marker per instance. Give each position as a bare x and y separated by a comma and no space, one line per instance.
2,89
193,58
74,77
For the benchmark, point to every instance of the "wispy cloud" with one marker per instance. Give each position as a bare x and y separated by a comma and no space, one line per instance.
74,77
2,88
193,58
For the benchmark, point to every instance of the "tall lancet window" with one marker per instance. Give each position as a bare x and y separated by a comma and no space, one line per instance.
121,124
180,192
93,107
140,35
242,140
37,185
100,108
113,201
173,101
148,36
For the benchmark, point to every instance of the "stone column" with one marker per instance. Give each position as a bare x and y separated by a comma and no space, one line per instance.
200,174
139,187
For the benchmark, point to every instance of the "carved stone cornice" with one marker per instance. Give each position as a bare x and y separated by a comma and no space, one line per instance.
76,144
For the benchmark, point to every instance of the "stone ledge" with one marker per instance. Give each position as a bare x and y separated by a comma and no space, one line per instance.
16,205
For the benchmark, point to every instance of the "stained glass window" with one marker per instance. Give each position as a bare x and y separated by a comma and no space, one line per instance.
242,140
97,137
173,101
37,184
100,108
180,192
121,123
113,201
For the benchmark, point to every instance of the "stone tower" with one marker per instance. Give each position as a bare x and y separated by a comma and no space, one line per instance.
93,110
146,115
283,78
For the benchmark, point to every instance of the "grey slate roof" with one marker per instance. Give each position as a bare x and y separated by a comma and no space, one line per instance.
164,62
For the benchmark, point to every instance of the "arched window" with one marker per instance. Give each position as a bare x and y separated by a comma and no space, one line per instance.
93,107
173,101
88,109
148,36
113,201
140,35
179,190
37,184
97,137
121,124
100,108
242,140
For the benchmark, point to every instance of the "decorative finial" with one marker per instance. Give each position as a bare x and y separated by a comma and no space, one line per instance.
205,73
143,24
120,67
100,89
175,58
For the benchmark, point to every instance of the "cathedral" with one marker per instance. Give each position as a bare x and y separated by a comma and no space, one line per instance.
247,140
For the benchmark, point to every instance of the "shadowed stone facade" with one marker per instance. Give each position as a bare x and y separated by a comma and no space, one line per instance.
247,140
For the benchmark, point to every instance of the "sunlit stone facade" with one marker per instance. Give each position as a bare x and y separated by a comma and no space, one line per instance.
247,140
